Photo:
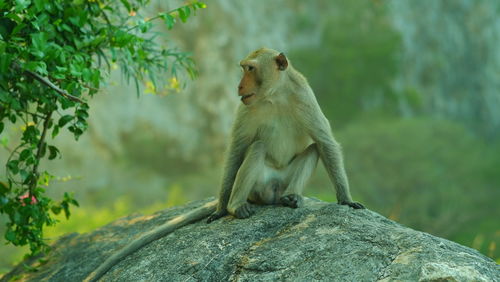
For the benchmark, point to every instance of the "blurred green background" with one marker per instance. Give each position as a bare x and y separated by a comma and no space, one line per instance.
412,89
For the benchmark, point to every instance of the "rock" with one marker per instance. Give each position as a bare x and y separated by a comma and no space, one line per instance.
321,241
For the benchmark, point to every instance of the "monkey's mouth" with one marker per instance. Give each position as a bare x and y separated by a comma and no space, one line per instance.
246,98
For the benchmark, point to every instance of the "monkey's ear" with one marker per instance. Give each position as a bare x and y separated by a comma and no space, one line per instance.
281,61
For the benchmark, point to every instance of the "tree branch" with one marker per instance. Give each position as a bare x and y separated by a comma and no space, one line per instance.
155,17
48,83
41,142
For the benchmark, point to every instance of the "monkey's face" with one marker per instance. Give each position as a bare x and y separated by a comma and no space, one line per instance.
261,72
249,84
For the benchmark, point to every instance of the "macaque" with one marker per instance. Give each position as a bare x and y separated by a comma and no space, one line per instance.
279,134
277,138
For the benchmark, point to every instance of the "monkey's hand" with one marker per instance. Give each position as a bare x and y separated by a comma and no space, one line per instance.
216,215
353,205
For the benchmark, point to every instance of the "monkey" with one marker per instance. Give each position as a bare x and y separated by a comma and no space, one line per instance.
277,139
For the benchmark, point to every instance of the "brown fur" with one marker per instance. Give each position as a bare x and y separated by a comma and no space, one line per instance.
279,134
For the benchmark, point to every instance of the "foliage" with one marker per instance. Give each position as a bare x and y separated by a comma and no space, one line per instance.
352,70
55,55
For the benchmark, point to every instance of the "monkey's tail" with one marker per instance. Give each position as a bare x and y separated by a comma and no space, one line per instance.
151,236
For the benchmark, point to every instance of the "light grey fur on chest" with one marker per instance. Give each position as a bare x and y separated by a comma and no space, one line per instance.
283,138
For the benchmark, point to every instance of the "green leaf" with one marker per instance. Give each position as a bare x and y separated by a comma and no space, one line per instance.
76,131
61,69
169,21
59,76
66,27
184,13
10,235
96,77
5,61
200,5
70,199
30,134
25,154
24,176
39,41
39,67
4,96
31,160
22,4
66,103
84,106
53,152
16,104
75,70
82,114
64,120
13,118
56,209
76,20
15,17
127,5
145,26
113,54
13,166
81,124
39,4
55,131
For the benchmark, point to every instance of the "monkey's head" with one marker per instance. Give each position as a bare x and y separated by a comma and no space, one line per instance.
262,70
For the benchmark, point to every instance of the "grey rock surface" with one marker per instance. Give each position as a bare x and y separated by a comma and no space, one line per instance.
319,242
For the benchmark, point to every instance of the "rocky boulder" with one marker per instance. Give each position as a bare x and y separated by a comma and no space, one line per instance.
321,241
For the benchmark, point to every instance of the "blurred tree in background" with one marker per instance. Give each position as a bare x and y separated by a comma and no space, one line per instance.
406,170
358,43
450,61
396,79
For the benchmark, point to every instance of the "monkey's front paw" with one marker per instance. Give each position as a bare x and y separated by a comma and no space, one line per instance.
292,200
353,205
216,215
244,211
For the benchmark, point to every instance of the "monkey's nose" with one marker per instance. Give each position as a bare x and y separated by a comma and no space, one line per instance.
240,87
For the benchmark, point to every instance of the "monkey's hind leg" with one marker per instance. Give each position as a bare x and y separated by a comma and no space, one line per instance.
247,177
300,170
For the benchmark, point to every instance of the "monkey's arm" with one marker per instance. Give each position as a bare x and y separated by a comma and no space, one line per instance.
236,155
331,155
151,236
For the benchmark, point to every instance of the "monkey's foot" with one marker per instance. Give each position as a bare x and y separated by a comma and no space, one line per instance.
292,200
244,211
353,205
216,215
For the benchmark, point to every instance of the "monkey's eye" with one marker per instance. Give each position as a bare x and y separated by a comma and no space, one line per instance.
250,68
